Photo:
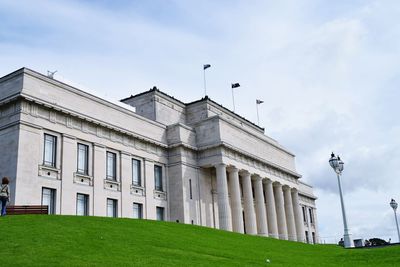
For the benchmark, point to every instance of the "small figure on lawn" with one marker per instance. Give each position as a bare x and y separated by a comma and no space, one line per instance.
4,195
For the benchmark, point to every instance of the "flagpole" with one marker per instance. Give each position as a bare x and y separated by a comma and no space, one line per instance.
205,86
233,100
258,118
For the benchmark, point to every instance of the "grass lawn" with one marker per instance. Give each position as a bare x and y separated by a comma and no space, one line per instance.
40,240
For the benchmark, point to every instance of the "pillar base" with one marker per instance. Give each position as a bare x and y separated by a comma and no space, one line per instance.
348,241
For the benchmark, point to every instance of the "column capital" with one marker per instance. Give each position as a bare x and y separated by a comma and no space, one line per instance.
267,181
219,164
232,169
244,173
285,187
295,190
257,177
277,184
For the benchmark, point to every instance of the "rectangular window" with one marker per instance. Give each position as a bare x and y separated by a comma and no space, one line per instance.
160,214
158,178
111,166
83,159
190,188
307,239
311,216
313,238
49,199
111,207
304,214
137,211
136,174
50,149
82,204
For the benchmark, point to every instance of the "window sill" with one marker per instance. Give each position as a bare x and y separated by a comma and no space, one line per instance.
49,172
138,190
83,179
112,185
160,195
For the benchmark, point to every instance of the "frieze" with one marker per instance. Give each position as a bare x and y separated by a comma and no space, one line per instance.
256,164
87,127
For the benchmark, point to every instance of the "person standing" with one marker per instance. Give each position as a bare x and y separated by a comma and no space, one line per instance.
4,195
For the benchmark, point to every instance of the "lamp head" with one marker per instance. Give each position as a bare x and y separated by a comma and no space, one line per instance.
334,162
393,204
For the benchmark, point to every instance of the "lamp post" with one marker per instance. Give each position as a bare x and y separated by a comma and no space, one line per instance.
394,205
337,165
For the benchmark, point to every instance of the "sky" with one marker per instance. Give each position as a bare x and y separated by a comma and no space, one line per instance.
327,71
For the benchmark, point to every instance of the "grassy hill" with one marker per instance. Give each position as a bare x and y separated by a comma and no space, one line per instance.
95,241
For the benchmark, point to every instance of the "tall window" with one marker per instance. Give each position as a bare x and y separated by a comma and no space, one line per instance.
50,148
158,178
111,166
311,216
111,207
49,199
83,159
82,204
190,188
307,238
304,213
313,238
137,211
136,175
160,213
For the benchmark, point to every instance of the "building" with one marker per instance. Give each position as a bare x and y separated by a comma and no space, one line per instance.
195,163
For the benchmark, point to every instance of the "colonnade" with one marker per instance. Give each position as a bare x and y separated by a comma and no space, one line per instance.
273,211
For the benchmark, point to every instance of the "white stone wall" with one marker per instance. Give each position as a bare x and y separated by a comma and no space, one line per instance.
187,141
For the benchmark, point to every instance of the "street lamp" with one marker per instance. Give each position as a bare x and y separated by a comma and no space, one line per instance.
337,165
394,205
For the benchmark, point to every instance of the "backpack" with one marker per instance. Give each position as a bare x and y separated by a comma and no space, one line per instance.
4,190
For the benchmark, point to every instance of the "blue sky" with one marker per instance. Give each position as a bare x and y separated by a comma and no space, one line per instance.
327,71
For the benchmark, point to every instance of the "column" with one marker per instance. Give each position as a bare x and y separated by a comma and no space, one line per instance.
126,181
250,216
289,213
99,174
68,163
298,216
261,216
280,211
271,211
236,202
224,210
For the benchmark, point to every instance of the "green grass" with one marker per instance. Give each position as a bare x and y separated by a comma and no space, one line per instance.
40,240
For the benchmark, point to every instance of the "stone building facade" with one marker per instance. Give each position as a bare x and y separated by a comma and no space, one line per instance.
152,157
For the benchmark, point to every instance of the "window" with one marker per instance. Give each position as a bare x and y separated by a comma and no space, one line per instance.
82,205
136,174
83,159
137,211
304,214
111,207
111,166
160,214
49,199
158,178
311,216
307,239
50,148
190,188
313,238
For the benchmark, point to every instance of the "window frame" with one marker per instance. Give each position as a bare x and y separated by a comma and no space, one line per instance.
310,210
114,207
53,162
85,203
140,210
158,175
162,210
85,171
138,172
114,174
52,206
